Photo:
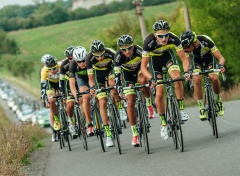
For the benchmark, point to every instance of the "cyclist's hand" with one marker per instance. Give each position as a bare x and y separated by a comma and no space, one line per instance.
92,90
120,90
187,76
152,83
222,68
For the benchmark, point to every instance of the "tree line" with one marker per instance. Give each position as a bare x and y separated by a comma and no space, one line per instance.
15,17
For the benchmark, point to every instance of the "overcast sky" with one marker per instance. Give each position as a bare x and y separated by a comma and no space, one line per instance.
18,2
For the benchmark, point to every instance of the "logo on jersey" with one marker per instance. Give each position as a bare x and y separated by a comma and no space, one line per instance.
169,64
159,76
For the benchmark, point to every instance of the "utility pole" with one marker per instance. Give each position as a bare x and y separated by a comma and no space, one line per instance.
139,9
186,17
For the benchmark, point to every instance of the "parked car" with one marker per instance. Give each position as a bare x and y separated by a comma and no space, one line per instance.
26,116
41,117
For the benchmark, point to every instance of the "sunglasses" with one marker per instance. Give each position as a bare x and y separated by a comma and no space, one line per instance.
97,56
53,68
80,61
163,35
70,58
127,49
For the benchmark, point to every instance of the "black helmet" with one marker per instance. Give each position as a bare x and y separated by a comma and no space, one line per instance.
125,40
51,61
97,46
69,51
161,25
187,38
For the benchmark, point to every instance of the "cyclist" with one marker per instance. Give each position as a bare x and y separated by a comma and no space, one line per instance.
50,85
43,60
99,66
65,89
204,54
78,76
127,64
157,51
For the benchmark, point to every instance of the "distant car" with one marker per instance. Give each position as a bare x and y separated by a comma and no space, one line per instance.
26,116
10,103
42,118
14,108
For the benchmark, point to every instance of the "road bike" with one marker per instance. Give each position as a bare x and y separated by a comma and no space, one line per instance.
97,121
172,114
80,121
210,104
142,115
63,134
113,116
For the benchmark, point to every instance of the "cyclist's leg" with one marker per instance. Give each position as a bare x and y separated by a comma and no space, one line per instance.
102,98
174,71
115,96
147,94
51,87
70,110
198,65
216,84
155,67
129,79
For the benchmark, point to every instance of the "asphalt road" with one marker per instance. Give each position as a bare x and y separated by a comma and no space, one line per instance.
204,155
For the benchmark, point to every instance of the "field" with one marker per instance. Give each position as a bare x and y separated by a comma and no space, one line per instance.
54,39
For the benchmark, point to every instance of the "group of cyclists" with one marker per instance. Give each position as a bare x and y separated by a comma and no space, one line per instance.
130,64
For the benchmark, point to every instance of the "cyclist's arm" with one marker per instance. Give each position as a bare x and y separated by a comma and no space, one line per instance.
72,84
219,56
62,84
91,80
185,60
144,70
44,75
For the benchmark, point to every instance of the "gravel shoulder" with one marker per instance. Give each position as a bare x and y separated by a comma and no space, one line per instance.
38,158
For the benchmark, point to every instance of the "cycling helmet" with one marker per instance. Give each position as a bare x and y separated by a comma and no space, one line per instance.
44,57
69,51
79,54
51,61
161,25
187,38
97,46
125,40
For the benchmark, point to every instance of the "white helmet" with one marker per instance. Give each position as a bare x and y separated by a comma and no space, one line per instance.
44,58
79,53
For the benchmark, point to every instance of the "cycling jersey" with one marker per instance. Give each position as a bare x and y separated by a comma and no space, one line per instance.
49,81
130,64
129,67
161,55
203,55
101,69
75,70
152,48
107,62
79,74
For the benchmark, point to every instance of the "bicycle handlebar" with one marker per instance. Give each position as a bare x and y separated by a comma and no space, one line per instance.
210,71
136,87
170,80
105,89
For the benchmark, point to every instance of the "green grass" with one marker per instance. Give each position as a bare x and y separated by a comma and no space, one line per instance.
54,39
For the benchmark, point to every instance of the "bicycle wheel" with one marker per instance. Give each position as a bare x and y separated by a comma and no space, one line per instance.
84,132
77,121
98,127
139,124
64,128
177,128
114,125
212,111
169,121
60,138
144,125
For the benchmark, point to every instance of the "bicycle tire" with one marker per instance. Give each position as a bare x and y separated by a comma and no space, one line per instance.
144,125
83,132
81,128
124,123
65,130
77,122
213,112
139,125
177,131
169,121
99,131
60,139
113,119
